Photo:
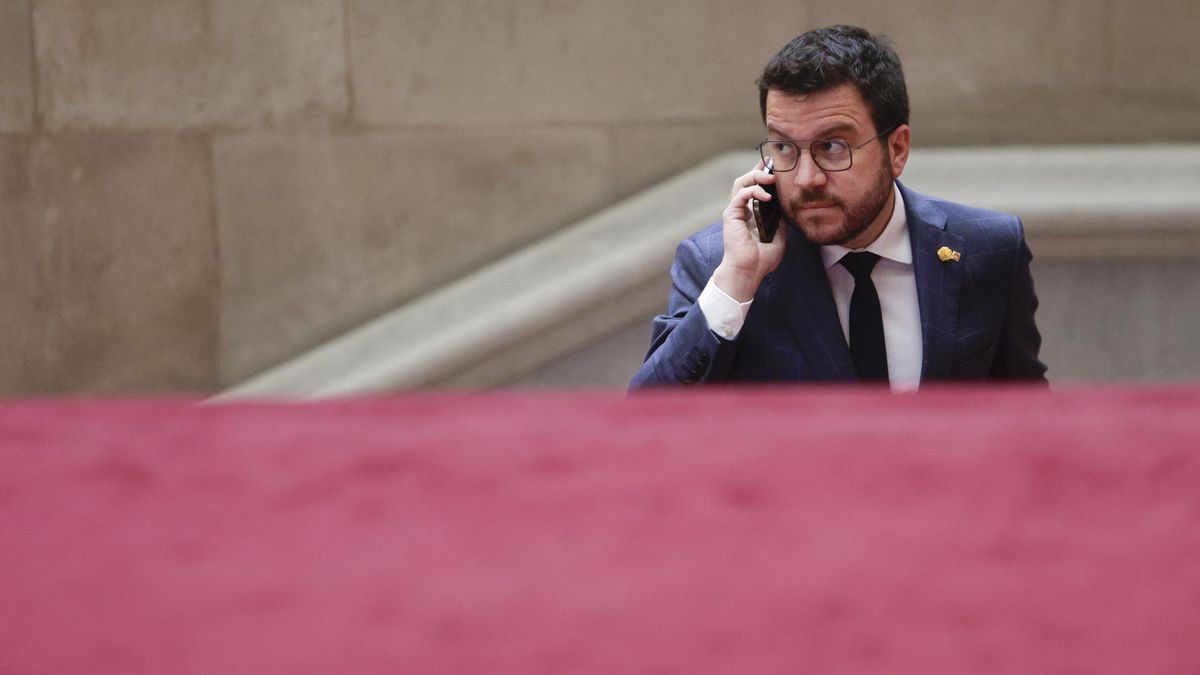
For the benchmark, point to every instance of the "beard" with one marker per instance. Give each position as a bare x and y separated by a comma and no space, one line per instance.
856,217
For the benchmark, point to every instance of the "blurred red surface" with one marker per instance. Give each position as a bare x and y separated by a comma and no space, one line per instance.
703,531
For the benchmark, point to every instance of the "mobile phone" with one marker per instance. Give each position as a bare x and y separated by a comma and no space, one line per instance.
767,214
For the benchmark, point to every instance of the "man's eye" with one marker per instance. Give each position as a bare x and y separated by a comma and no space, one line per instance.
829,147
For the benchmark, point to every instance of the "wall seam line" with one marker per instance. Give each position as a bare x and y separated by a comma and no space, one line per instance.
34,78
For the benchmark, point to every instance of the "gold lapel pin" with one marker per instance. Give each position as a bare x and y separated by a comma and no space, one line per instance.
946,254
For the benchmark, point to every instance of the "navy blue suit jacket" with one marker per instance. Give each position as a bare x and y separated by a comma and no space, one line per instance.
976,313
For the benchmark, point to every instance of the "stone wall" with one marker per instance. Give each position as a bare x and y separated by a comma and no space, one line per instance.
193,190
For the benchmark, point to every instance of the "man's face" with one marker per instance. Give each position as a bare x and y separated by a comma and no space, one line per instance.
845,207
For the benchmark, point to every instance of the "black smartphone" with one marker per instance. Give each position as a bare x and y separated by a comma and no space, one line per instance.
767,214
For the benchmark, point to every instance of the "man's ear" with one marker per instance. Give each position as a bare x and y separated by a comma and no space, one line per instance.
898,143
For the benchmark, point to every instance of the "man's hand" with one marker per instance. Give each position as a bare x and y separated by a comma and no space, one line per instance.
747,260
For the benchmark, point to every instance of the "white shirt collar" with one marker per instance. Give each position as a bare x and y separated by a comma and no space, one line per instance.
892,243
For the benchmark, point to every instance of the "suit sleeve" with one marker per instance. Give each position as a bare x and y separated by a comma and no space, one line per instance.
683,350
1020,341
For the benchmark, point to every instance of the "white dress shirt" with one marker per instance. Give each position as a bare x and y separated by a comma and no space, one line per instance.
894,281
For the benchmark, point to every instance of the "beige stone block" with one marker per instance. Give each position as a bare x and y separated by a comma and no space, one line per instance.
107,265
16,58
321,233
1119,319
1157,45
644,154
127,64
471,61
1086,117
953,49
984,71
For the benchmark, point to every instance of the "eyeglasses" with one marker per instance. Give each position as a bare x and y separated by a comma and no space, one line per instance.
829,154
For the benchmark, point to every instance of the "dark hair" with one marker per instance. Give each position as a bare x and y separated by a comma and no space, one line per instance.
829,57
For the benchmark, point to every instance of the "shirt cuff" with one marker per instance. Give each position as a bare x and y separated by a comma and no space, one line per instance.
725,315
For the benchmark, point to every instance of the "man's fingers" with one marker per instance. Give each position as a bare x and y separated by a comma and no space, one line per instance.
756,191
758,176
739,210
739,206
753,178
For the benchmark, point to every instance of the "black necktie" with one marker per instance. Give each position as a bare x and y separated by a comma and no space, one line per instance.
866,320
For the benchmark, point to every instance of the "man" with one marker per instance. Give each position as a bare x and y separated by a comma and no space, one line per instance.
930,290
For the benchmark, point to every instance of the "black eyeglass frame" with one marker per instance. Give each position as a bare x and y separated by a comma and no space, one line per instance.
796,145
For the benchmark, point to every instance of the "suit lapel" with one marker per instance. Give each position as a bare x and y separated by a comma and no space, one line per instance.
801,292
938,283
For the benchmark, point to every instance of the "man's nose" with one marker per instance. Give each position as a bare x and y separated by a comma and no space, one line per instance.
807,174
